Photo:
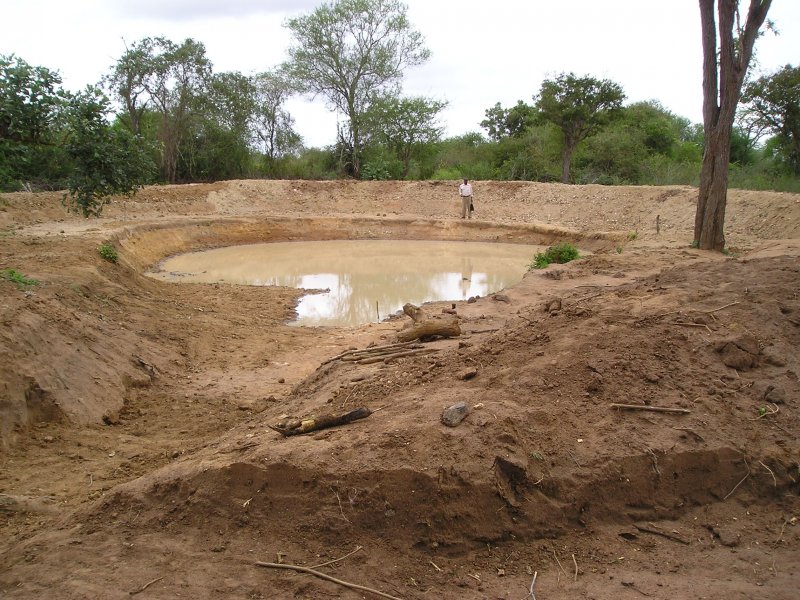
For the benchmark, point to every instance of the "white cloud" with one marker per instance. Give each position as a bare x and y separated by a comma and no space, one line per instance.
482,52
194,10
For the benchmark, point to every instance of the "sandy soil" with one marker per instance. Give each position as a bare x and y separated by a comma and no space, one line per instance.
137,458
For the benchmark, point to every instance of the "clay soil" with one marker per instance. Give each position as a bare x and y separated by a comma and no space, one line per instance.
137,458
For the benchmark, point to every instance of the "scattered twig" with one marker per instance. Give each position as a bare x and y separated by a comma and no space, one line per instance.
475,577
572,456
741,482
373,350
330,562
145,586
559,563
533,583
390,357
575,562
327,577
780,535
774,410
647,407
435,566
339,500
774,479
709,312
656,531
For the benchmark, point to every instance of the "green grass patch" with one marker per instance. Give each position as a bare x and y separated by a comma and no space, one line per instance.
108,252
560,254
17,278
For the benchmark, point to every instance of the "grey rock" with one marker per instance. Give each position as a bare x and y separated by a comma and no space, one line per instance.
453,415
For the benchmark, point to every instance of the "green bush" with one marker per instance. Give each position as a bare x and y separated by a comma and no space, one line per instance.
108,252
560,254
17,278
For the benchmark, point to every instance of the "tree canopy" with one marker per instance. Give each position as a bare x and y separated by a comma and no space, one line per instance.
772,105
349,52
579,107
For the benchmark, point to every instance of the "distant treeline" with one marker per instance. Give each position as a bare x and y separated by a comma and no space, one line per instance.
162,115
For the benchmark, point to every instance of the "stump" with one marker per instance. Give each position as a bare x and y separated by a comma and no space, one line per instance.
425,327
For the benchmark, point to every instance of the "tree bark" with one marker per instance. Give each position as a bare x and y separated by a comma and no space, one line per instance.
566,158
722,86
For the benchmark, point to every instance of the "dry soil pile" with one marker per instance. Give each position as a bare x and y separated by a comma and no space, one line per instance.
137,456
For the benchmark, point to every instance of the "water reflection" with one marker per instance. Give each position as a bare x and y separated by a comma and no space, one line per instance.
366,280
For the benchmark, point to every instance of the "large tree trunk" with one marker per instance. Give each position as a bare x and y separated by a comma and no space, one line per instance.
566,158
722,86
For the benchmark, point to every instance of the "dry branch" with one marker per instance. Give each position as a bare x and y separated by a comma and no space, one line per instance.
145,586
300,426
327,577
647,407
390,357
655,531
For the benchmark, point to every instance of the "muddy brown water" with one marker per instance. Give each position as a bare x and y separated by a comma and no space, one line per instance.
352,282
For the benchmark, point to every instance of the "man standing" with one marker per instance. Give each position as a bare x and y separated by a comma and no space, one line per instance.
465,191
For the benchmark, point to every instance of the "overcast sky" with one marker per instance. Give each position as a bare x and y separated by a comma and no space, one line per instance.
483,51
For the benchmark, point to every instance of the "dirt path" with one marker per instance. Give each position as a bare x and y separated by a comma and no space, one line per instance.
136,445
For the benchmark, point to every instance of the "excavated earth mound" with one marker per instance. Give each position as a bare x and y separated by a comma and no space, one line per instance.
140,451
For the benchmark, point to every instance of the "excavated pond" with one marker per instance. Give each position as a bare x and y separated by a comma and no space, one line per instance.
353,282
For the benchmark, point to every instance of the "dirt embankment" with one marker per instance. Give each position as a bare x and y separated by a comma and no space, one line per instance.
136,439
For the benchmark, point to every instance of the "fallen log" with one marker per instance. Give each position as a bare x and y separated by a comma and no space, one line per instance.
300,426
430,328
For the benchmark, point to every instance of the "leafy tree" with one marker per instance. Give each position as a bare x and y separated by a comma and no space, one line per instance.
129,78
404,125
773,106
579,106
31,101
349,51
724,70
273,126
508,122
105,160
217,144
172,79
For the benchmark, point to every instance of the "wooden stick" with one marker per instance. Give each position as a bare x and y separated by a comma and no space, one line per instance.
145,586
330,562
654,530
741,482
647,407
575,562
435,566
327,577
559,563
372,349
533,583
774,480
388,357
708,312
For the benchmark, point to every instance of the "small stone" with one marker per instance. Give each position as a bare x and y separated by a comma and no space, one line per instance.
501,298
467,374
281,380
453,415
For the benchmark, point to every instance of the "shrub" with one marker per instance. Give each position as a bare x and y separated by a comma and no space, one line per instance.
560,254
108,252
